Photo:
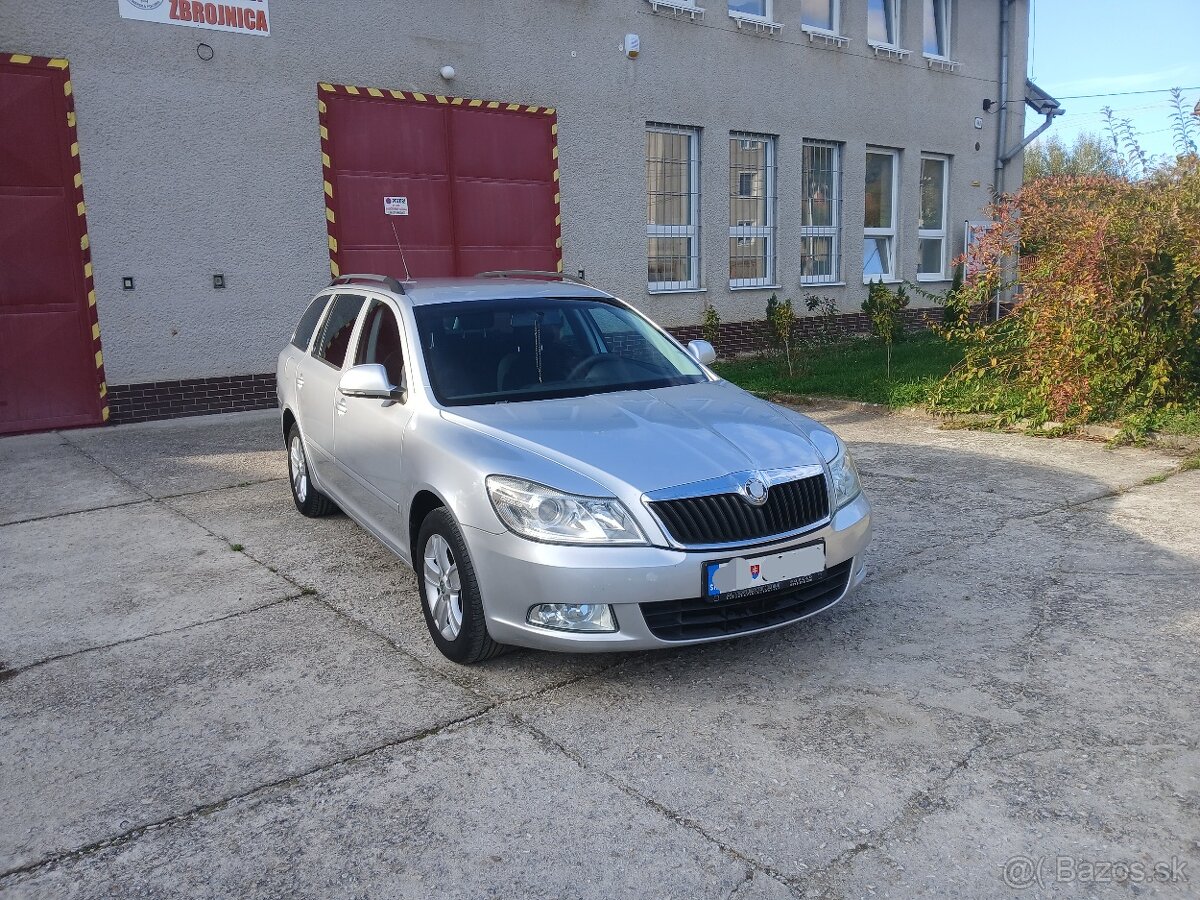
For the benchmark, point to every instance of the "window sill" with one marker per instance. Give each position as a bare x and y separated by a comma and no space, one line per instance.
761,25
940,63
756,287
677,8
828,37
816,284
889,51
937,276
874,278
687,290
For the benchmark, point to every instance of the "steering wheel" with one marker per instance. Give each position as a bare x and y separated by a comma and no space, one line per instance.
584,367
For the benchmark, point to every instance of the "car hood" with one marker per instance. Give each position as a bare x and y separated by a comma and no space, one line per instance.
648,440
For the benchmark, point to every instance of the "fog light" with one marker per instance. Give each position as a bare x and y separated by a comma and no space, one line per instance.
573,616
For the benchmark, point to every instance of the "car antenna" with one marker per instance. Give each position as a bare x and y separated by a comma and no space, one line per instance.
403,261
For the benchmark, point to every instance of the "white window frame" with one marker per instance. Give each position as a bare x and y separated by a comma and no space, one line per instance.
889,233
835,31
940,233
763,24
896,20
678,6
834,229
947,7
746,233
690,231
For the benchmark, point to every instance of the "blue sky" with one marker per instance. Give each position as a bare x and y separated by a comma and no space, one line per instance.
1105,46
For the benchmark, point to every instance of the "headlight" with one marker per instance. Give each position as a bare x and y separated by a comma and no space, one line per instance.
845,479
540,513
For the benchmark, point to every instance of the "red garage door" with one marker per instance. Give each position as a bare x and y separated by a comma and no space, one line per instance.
479,182
51,373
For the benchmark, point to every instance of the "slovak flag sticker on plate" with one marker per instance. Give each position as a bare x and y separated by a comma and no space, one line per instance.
754,570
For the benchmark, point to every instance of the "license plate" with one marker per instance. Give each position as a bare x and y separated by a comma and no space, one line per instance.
729,579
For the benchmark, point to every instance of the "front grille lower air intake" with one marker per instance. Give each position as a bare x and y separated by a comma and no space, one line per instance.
730,518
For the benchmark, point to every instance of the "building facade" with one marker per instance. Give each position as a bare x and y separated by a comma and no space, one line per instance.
219,158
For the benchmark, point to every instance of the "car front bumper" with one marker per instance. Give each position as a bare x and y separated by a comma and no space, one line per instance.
515,574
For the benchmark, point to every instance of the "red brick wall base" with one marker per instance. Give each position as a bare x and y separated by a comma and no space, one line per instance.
189,397
735,338
236,393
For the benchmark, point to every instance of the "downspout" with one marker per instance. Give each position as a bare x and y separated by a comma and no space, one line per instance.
1029,138
1002,132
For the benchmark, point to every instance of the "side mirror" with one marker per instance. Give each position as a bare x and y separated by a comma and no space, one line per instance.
370,380
702,352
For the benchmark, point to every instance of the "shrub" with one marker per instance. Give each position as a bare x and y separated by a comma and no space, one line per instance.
825,312
884,309
1107,321
710,323
781,320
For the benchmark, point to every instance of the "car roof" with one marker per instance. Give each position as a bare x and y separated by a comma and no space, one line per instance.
427,291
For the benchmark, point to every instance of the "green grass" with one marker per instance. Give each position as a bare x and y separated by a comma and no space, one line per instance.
856,370
1179,420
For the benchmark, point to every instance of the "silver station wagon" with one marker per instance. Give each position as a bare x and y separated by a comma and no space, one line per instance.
559,471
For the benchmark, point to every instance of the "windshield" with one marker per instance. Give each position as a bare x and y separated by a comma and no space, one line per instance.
497,351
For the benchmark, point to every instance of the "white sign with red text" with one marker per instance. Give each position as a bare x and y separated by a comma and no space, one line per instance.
241,16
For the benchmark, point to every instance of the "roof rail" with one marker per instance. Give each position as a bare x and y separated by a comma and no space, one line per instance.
386,280
531,273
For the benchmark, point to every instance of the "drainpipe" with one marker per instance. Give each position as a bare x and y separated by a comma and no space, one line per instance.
1004,158
1002,131
1002,135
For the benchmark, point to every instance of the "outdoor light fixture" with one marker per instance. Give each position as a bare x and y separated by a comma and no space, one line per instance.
127,283
632,46
447,72
219,282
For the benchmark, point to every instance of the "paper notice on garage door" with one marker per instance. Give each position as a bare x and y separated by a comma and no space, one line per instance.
241,16
395,206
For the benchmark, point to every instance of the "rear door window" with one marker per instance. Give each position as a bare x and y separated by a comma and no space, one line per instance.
309,321
334,341
380,343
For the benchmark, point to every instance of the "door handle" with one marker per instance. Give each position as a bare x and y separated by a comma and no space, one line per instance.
341,407
299,381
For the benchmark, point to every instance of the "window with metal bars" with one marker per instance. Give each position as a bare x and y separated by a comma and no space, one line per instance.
821,213
751,210
672,208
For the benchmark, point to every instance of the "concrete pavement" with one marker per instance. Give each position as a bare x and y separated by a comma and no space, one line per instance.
203,693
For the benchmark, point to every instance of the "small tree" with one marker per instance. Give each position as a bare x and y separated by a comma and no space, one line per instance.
884,309
781,319
1089,155
710,323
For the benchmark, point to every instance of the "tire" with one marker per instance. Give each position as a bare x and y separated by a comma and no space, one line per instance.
308,499
455,618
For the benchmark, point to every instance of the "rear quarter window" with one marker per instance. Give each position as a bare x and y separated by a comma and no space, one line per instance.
308,322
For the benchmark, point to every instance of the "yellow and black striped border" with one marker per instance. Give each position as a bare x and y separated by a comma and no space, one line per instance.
325,90
85,244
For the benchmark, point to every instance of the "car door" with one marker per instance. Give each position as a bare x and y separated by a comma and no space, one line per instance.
290,382
317,380
369,432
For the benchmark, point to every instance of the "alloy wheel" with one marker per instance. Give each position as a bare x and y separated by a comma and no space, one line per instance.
299,469
443,590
